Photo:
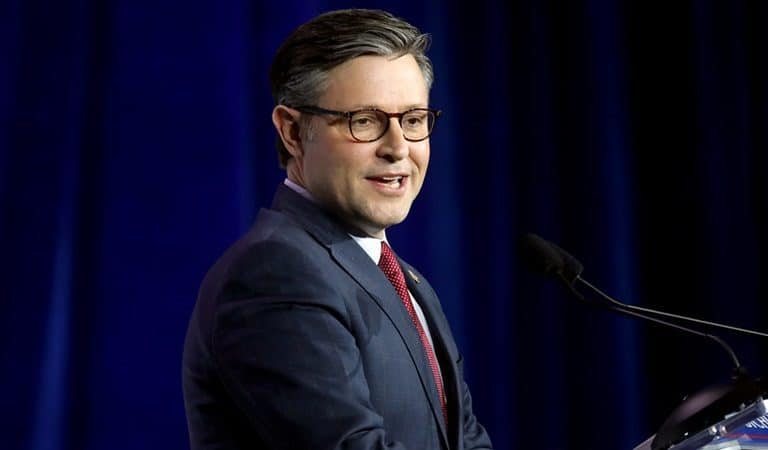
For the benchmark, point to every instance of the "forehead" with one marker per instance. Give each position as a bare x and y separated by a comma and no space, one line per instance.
385,82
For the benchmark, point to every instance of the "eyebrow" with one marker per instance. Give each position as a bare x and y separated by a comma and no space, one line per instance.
373,106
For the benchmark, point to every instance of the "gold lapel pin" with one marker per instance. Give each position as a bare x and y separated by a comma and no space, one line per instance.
413,276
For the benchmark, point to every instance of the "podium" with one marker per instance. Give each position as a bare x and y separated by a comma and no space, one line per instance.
746,429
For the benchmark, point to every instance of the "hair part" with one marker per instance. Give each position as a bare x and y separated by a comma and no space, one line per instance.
300,69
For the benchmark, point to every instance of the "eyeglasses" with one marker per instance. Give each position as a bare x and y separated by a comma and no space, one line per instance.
370,124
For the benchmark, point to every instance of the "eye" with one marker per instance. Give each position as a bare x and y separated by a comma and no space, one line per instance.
365,119
415,119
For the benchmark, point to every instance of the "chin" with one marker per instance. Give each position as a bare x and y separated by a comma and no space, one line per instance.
372,218
374,225
392,220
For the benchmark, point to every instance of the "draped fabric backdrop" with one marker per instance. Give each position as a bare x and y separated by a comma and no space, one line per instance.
136,144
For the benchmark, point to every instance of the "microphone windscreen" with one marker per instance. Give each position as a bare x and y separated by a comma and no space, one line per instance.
540,255
572,268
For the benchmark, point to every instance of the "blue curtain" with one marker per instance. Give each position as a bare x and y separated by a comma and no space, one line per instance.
136,144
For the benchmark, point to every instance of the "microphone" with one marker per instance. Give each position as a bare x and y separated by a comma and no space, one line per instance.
698,411
547,258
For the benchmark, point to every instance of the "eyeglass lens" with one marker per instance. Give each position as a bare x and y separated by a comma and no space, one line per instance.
371,125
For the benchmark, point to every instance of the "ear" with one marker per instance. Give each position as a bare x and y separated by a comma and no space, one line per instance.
286,121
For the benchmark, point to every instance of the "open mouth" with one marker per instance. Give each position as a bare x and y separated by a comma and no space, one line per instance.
392,181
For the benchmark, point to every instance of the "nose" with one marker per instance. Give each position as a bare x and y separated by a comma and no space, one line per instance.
393,144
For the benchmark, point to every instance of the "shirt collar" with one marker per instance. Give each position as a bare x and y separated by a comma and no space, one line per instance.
371,246
298,189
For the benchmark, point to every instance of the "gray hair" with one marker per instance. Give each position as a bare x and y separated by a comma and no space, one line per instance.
299,72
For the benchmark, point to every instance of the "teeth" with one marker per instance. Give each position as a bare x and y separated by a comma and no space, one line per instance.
392,181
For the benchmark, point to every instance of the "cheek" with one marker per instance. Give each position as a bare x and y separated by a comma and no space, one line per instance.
338,165
421,158
319,156
351,160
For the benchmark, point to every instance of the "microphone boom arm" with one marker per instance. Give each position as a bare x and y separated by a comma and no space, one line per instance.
647,314
666,314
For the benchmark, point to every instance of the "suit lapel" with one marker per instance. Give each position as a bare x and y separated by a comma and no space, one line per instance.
439,329
353,259
429,303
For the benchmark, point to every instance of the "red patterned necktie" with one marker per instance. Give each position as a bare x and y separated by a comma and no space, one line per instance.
391,268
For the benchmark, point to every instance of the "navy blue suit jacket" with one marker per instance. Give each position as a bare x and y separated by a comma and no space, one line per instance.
299,341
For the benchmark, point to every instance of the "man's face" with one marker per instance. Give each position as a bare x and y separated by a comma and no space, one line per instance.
368,185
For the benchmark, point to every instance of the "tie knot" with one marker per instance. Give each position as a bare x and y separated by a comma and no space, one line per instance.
388,260
391,267
387,254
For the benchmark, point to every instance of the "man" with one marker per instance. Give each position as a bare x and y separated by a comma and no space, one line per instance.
308,332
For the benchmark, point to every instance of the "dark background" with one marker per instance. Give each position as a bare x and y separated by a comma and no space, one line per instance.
136,144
